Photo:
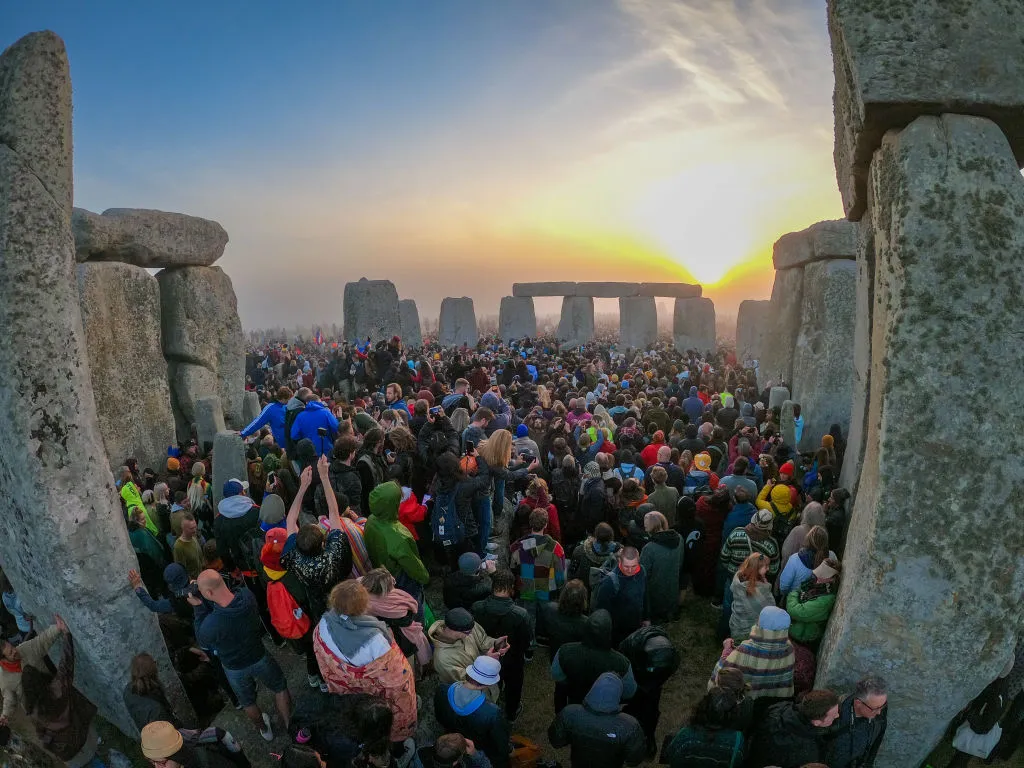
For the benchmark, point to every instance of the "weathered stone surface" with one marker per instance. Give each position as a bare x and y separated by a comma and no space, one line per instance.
65,546
35,89
934,607
188,383
209,420
638,322
409,320
669,290
228,462
751,329
607,290
457,324
822,359
787,423
543,289
693,324
146,238
783,327
576,323
895,61
517,318
201,328
850,473
819,242
120,306
250,406
370,309
777,396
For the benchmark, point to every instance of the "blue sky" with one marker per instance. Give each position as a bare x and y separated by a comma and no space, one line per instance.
456,147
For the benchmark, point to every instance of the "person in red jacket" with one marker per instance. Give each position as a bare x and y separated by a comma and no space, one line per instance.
410,511
649,455
537,497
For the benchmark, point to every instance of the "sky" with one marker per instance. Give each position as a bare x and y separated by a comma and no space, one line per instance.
456,146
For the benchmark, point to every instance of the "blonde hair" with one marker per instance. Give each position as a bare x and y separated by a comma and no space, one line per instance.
378,581
497,449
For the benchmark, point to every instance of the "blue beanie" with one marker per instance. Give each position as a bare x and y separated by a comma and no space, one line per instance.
522,430
773,619
176,578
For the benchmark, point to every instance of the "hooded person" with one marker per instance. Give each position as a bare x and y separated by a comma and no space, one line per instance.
465,708
467,584
237,514
577,665
662,560
272,512
766,658
598,733
389,543
307,425
700,474
813,514
524,444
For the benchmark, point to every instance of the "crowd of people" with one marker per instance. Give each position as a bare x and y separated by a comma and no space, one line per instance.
555,504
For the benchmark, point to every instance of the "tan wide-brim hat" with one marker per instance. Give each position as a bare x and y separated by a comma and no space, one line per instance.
160,740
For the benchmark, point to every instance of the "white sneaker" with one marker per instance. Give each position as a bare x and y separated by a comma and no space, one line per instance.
267,732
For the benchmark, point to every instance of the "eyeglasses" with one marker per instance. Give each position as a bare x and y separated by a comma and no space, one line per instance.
874,710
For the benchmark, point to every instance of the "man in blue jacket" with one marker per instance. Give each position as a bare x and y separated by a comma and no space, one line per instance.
229,624
693,407
273,415
316,416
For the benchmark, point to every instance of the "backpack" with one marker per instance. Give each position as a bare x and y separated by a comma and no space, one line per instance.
445,523
286,615
250,547
699,747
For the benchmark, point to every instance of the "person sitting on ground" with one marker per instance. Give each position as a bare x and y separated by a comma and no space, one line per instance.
358,654
464,707
468,584
793,735
598,733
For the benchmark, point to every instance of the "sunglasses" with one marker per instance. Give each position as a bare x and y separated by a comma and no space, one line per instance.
875,710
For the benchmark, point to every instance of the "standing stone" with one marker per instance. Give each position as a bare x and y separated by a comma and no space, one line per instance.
517,318
457,324
370,309
152,239
850,473
751,329
120,306
822,373
638,322
576,324
201,329
228,462
250,406
777,396
693,324
209,420
787,423
895,61
65,546
935,606
784,312
409,320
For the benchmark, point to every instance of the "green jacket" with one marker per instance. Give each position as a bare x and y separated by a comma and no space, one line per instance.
810,616
388,542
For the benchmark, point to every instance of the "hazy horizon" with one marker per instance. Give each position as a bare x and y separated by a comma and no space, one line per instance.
457,147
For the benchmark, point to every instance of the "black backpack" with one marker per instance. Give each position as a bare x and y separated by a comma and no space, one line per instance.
695,746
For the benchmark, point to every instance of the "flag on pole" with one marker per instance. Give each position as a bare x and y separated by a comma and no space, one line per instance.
319,337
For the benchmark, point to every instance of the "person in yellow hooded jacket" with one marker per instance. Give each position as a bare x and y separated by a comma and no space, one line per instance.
775,498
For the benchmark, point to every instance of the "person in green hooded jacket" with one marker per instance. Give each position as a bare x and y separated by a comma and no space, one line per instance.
810,606
389,543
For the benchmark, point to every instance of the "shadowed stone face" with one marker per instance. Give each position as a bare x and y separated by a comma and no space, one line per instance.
693,324
517,318
576,324
457,324
371,311
638,322
409,319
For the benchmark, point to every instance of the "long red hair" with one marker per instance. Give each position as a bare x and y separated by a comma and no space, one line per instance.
750,571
